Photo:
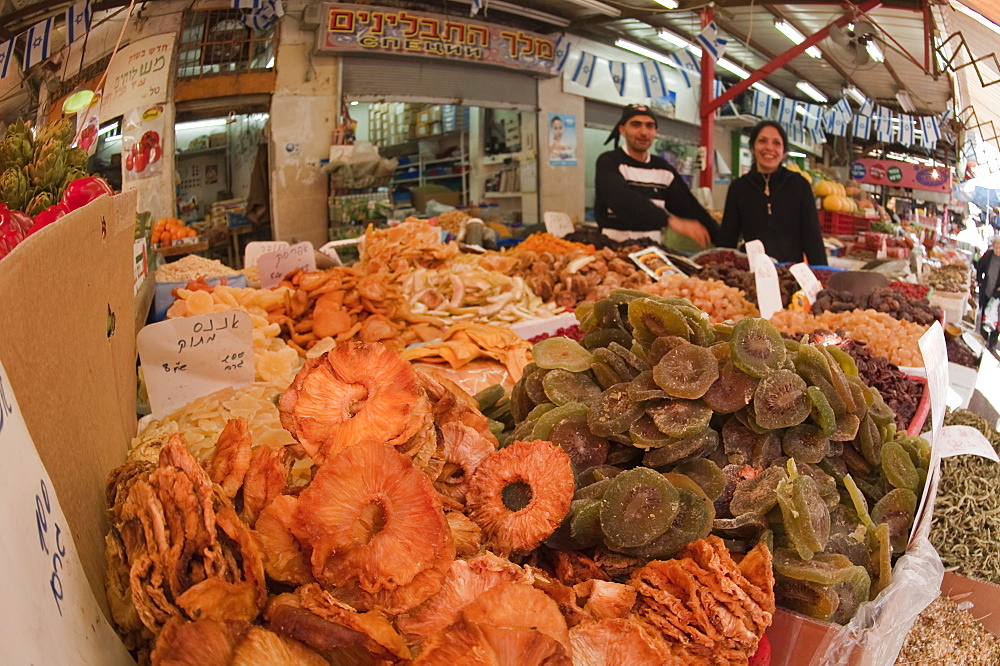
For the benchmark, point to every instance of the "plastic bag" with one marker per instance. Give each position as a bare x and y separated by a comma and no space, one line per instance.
878,629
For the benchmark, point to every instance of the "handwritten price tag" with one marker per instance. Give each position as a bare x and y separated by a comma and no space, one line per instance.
807,280
959,440
50,615
274,266
935,354
256,249
186,358
766,278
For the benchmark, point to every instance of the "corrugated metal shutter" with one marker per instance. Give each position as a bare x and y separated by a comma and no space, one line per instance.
604,116
403,79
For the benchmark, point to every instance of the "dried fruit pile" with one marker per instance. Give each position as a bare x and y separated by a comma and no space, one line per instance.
465,342
883,299
677,428
544,242
717,299
572,332
900,392
381,555
961,353
917,291
950,277
883,334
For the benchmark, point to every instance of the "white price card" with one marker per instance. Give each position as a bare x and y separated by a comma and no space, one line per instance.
255,249
188,357
956,440
807,280
935,355
557,224
274,266
49,614
766,278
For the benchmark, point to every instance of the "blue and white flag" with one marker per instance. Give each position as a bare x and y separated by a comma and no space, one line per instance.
264,15
6,55
794,130
652,79
709,40
905,129
867,109
786,111
930,131
813,119
718,87
834,122
562,52
883,124
818,135
584,73
77,20
685,62
862,126
617,70
36,49
477,6
761,104
247,4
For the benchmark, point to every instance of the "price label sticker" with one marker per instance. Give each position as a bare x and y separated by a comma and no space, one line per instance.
256,249
766,279
959,440
188,357
807,280
274,266
51,615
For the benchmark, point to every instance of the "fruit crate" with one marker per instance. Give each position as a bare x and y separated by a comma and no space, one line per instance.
842,224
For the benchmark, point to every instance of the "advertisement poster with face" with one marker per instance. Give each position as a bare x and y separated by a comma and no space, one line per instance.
562,139
142,143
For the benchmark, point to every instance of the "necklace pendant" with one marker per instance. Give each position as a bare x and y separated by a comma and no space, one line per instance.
768,207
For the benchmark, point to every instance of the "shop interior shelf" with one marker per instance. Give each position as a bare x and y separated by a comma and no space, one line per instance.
443,176
501,195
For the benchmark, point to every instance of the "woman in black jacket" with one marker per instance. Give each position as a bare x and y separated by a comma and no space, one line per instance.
773,204
988,275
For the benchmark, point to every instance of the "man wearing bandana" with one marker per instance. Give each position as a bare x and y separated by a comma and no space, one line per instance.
638,194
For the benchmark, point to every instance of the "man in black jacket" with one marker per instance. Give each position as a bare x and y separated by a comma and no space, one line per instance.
637,194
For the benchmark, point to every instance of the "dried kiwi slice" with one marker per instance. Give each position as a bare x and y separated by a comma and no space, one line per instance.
593,491
585,523
870,441
859,392
897,508
535,388
679,450
645,435
662,345
732,390
880,412
809,356
757,347
692,522
851,593
538,410
626,355
602,337
702,332
643,388
844,360
626,296
806,443
757,495
607,315
562,387
547,421
898,467
681,481
749,525
822,412
652,319
613,412
738,441
686,371
584,448
819,602
680,419
881,556
804,513
489,397
823,568
847,428
617,363
605,375
706,474
723,331
520,403
839,381
562,353
637,507
780,400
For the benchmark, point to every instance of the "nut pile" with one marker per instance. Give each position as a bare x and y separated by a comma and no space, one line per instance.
882,299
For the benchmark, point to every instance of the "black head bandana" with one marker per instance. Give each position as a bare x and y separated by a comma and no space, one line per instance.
629,111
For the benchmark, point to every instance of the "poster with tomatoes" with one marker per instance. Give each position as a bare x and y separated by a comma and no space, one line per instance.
142,143
88,124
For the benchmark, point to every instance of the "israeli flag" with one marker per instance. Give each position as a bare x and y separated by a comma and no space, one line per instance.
617,70
786,111
77,20
883,124
247,4
562,52
905,129
36,49
862,126
761,104
685,62
584,73
930,131
813,119
264,16
818,135
6,54
477,5
834,122
652,79
843,107
867,109
709,40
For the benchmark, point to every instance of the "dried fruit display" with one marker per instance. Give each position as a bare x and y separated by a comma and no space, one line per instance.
677,427
917,291
950,277
948,634
720,301
884,299
961,353
467,341
883,334
539,243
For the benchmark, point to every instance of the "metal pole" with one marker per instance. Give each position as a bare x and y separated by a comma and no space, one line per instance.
707,109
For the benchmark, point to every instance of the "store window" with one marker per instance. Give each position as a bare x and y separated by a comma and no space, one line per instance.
224,41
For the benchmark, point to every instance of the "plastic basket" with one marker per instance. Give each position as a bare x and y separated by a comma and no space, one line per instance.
842,224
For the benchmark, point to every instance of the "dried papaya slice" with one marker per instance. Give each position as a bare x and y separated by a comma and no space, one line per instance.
757,347
679,450
652,319
804,513
613,412
691,522
617,363
706,474
686,371
897,509
562,353
643,388
562,387
898,467
637,507
584,448
732,390
680,419
780,400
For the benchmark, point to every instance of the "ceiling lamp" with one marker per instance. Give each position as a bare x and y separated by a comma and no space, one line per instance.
766,89
856,95
643,51
77,102
671,38
733,68
812,91
597,6
669,4
875,52
905,102
788,30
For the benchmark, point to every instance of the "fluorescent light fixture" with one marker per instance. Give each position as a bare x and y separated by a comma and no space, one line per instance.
976,16
643,51
795,153
671,38
905,101
875,52
796,37
599,7
733,68
511,8
766,89
811,90
198,124
107,129
354,102
856,95
669,4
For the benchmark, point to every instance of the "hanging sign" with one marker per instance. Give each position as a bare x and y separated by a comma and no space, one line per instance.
367,29
138,76
896,173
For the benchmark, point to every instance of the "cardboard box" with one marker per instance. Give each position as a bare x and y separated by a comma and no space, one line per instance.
984,597
423,130
439,193
424,117
435,112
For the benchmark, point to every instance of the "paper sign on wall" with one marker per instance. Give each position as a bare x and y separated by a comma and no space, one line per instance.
255,249
188,357
274,266
50,615
766,278
807,280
